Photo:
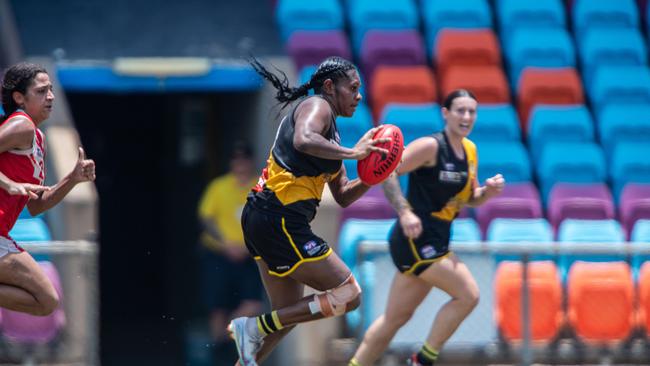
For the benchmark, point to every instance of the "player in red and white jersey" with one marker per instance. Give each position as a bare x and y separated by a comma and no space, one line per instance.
27,99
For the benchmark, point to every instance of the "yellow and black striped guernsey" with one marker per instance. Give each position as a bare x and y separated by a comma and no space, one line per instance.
292,182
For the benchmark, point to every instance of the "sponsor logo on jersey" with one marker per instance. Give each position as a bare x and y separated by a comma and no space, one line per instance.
427,251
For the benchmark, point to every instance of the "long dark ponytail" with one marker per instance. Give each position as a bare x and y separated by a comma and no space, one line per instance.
334,68
17,78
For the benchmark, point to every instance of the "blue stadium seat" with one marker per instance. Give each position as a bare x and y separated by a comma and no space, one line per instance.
508,158
352,233
520,231
589,233
352,128
585,163
630,164
623,123
465,230
513,14
537,47
554,123
619,85
438,14
295,15
589,14
380,14
612,47
641,239
496,122
415,120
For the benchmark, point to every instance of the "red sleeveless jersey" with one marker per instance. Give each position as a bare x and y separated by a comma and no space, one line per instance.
22,166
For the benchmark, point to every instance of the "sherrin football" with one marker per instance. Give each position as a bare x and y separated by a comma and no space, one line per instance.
375,167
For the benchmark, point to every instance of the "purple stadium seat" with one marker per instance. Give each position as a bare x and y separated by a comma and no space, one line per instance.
634,205
311,47
23,328
395,48
372,205
517,201
591,201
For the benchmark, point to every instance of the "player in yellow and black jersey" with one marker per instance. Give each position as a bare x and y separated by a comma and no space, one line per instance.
442,172
306,155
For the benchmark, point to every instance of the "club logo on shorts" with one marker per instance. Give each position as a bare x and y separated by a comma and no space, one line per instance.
311,247
427,251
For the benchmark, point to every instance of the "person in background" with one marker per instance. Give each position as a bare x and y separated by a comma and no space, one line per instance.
232,286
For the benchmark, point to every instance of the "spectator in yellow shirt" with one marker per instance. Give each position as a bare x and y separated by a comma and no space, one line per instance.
232,286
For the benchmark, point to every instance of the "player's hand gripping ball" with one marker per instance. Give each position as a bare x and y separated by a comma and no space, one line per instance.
376,167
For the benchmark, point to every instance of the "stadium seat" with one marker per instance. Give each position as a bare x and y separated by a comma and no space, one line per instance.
514,14
466,47
352,128
547,86
585,165
612,47
394,47
623,123
23,328
487,83
578,234
590,201
467,14
644,297
465,230
519,231
555,123
590,14
629,164
601,301
415,120
640,239
380,15
619,85
293,15
312,47
634,204
517,201
401,84
533,47
372,205
496,122
545,301
507,158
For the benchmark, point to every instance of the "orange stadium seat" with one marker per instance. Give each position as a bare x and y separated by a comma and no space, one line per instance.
601,300
644,296
545,300
401,84
471,47
547,86
488,83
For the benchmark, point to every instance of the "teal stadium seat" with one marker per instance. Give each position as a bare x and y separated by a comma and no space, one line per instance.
465,230
611,47
293,15
365,15
570,162
513,14
618,85
466,14
590,234
630,164
496,122
623,123
415,120
555,123
641,239
590,14
520,231
509,158
352,128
